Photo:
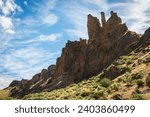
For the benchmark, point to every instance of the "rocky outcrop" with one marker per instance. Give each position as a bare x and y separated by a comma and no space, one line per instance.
36,84
73,60
114,71
14,83
85,58
103,19
94,28
145,39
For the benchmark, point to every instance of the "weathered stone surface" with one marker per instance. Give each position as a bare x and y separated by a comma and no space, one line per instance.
103,19
114,71
94,28
36,84
73,60
83,59
146,37
14,83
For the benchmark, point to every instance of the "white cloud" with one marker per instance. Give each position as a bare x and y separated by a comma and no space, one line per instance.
26,62
1,3
50,19
5,80
51,37
77,14
42,38
102,4
25,3
6,22
7,8
44,13
77,33
134,12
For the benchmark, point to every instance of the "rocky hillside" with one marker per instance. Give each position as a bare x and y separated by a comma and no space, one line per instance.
128,77
102,52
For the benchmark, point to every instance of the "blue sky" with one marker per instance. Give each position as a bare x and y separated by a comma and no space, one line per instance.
33,32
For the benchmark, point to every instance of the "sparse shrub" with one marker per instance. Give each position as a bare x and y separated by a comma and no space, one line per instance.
137,91
127,59
115,87
126,78
140,61
84,94
137,75
129,62
109,90
129,84
117,97
146,60
105,82
97,95
148,80
140,83
137,96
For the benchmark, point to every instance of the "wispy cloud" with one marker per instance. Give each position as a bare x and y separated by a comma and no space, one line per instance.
50,19
22,53
77,14
22,61
5,81
134,12
8,7
43,14
51,37
39,39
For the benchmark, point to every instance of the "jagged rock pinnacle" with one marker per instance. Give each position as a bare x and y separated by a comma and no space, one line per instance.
103,19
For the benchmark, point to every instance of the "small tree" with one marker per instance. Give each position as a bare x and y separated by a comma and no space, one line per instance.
105,82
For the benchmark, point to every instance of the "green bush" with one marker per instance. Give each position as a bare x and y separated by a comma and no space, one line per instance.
137,75
105,82
98,95
115,86
137,96
84,94
140,83
148,80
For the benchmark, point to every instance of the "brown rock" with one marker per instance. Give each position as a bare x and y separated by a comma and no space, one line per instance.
82,59
14,83
103,19
114,71
94,28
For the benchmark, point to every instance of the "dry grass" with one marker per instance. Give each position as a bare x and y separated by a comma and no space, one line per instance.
4,95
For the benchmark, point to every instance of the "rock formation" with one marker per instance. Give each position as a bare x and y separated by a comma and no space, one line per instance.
103,19
85,58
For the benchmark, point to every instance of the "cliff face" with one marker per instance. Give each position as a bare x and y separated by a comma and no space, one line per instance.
85,58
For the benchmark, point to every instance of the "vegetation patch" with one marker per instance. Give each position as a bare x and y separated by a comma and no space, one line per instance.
140,83
148,80
105,82
137,96
137,75
4,95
